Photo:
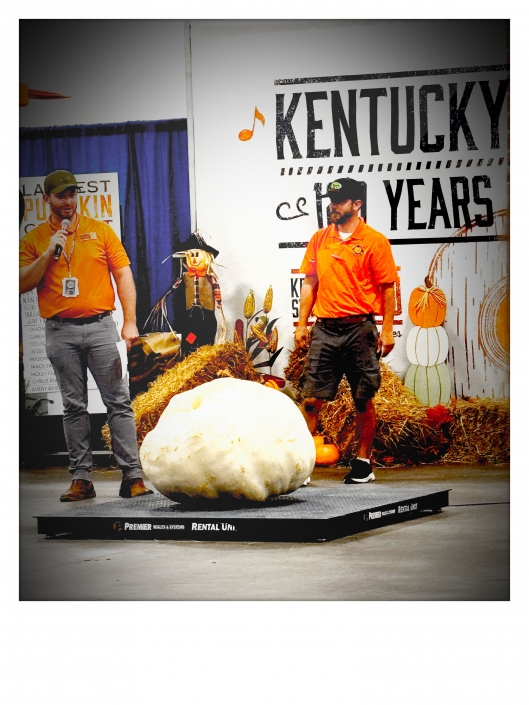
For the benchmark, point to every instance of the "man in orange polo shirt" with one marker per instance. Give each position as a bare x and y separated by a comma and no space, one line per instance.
70,259
349,277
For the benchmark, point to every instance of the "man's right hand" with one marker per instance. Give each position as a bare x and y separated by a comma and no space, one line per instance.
58,238
302,336
31,274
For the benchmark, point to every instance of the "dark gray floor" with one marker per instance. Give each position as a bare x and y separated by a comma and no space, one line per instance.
460,554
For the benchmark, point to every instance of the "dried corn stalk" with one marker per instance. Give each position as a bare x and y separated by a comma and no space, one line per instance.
268,299
272,343
249,305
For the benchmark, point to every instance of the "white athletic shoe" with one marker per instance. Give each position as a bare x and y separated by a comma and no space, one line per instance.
360,472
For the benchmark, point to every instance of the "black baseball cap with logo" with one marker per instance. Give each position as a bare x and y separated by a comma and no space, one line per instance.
344,189
58,181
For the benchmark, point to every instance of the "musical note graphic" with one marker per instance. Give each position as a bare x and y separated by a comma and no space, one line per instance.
245,135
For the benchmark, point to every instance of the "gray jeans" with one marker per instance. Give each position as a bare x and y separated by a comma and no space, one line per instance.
71,349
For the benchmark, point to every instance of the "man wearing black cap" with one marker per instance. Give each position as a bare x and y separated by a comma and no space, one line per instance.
70,259
349,277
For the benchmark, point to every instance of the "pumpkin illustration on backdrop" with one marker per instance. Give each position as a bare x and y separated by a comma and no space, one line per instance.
427,306
427,346
431,385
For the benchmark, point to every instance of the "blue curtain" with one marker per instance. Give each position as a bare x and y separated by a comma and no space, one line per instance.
152,165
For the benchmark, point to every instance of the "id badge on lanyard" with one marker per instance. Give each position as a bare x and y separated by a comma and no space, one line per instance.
70,287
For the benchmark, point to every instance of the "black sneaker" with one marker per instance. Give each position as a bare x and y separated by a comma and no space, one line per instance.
360,472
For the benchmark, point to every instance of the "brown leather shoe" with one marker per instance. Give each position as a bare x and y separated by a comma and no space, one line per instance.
79,489
133,488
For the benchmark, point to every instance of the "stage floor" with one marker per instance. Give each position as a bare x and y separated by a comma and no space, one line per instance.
309,514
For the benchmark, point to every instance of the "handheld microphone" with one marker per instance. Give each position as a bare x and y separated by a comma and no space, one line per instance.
58,249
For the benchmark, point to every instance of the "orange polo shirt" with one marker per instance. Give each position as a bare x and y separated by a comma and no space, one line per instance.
350,272
97,252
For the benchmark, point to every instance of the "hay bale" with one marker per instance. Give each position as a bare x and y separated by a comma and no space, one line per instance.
296,363
404,433
480,431
407,432
204,365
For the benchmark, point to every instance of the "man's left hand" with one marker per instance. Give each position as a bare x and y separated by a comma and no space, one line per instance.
129,333
386,343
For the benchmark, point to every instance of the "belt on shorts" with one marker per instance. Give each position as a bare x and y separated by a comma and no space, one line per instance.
347,319
81,321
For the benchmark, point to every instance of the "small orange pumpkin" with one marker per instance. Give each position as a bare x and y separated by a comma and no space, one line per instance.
326,453
427,307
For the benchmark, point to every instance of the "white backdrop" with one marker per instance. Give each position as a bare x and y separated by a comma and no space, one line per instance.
240,185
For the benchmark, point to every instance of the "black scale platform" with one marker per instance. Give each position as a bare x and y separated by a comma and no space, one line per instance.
309,514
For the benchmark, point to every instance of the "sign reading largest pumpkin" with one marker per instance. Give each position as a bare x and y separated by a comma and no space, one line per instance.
232,437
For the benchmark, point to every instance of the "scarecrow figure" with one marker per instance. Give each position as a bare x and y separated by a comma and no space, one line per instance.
197,300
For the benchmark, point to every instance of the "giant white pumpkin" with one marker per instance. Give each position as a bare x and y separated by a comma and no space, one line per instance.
427,346
229,436
431,385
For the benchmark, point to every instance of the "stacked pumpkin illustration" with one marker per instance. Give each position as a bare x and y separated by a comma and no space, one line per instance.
427,346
